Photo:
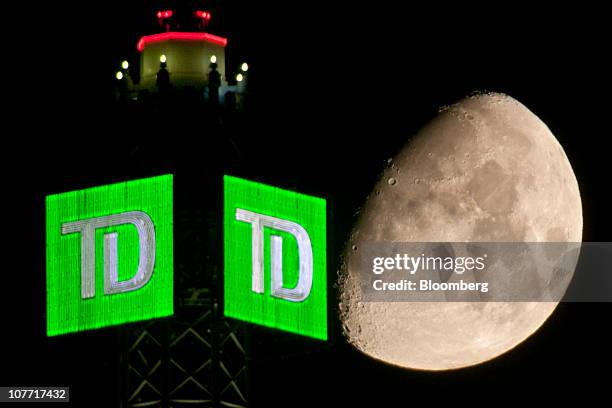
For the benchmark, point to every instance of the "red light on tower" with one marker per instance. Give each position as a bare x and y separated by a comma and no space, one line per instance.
205,15
162,14
181,36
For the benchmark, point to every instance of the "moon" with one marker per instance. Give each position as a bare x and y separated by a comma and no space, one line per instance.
485,169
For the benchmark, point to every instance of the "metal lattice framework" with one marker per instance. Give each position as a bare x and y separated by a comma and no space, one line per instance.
197,357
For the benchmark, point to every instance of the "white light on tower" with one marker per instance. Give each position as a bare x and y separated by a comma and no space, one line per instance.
213,59
244,67
119,75
125,64
239,77
162,58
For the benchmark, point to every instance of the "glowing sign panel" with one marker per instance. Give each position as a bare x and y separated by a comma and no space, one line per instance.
109,255
275,257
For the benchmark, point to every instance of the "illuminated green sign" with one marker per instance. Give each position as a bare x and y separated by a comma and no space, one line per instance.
275,257
109,255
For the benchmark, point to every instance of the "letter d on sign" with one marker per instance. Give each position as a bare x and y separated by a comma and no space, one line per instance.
146,239
304,284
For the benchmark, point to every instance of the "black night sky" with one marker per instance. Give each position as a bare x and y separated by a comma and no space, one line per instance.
356,82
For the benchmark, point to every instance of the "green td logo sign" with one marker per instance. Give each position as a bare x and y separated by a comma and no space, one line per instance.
109,255
275,257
